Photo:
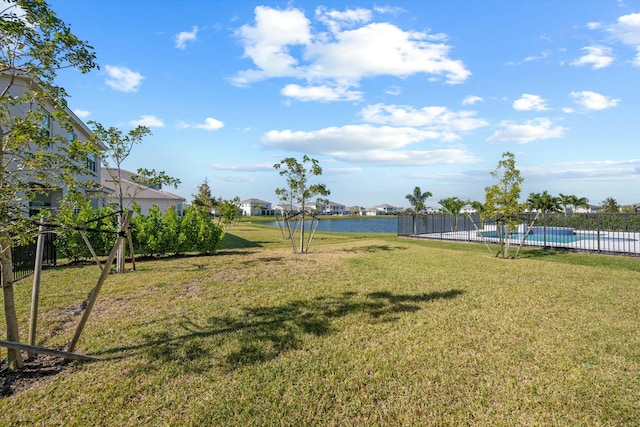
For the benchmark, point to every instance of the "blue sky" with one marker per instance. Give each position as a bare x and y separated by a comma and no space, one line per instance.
386,95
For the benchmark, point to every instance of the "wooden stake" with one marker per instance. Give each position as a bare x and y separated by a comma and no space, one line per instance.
103,277
35,292
93,253
33,349
133,255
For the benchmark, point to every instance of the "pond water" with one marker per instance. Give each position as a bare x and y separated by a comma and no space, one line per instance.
356,225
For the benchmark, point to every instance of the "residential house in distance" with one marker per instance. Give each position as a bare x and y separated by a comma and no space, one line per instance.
383,209
144,195
355,210
17,83
285,207
373,212
580,209
387,209
331,209
257,207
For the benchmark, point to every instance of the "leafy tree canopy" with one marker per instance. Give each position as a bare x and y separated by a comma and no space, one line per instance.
418,198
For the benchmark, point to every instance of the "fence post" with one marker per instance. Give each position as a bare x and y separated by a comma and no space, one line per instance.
598,227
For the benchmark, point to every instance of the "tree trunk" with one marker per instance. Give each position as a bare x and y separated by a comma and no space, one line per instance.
120,256
14,356
302,234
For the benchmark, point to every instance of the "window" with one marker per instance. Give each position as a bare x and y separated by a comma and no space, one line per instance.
45,123
71,137
91,162
41,201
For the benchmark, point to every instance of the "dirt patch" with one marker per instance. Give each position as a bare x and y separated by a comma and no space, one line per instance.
37,370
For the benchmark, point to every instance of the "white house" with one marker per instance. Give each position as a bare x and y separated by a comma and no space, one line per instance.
374,212
387,209
590,209
355,210
257,207
331,209
282,207
133,190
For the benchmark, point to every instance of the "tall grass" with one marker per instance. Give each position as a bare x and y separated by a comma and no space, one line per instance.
365,330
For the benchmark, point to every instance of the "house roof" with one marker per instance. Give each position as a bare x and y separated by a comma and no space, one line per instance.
132,189
254,202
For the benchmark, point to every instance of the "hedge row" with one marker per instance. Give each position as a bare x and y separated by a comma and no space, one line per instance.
155,234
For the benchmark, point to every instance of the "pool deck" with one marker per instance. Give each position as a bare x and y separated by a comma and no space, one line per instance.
604,242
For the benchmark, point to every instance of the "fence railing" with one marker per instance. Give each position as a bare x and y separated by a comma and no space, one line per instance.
24,257
603,233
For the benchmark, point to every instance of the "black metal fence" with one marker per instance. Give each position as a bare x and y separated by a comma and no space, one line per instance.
24,257
603,233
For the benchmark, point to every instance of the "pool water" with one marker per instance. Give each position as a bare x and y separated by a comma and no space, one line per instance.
551,236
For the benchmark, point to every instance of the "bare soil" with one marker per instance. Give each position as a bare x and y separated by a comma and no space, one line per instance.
36,370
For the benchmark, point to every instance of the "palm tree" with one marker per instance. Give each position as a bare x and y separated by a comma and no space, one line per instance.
610,205
418,198
566,200
574,201
544,202
453,206
580,202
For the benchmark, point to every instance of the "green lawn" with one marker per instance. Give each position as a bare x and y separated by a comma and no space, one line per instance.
365,330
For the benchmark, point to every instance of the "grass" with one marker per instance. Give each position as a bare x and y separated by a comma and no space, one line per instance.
365,330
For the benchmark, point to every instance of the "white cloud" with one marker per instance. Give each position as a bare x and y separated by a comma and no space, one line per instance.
123,79
597,57
267,43
393,90
346,138
593,101
323,93
248,167
471,100
394,10
148,121
81,113
366,144
636,60
530,130
594,25
382,49
210,124
343,171
336,20
282,43
568,110
627,29
528,102
543,55
438,119
186,36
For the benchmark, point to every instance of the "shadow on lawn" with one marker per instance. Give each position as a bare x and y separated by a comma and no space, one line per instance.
231,241
260,334
375,248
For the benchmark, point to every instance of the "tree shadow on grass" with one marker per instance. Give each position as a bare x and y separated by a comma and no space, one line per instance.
231,241
260,334
375,248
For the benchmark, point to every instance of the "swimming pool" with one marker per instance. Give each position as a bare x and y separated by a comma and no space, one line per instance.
547,234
